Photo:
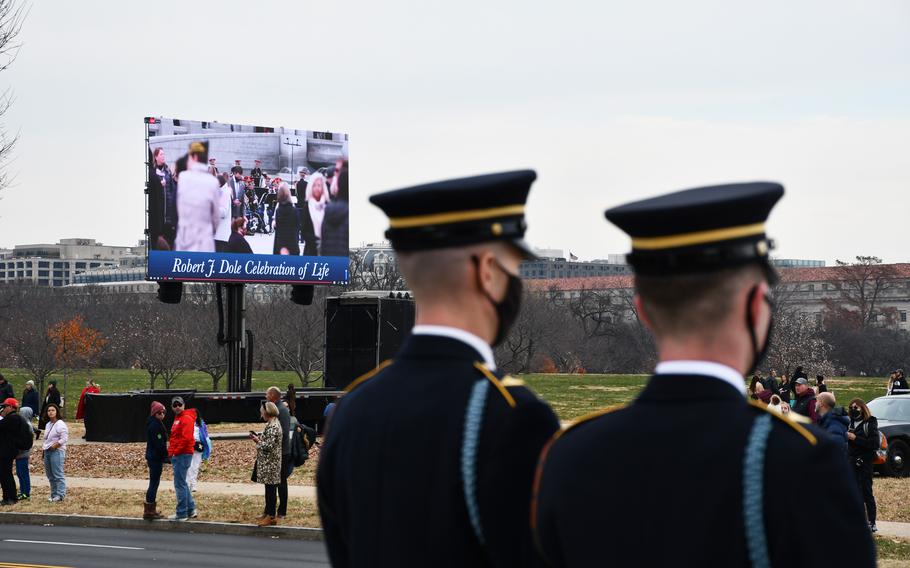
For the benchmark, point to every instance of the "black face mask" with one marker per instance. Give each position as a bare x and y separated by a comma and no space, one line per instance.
507,310
758,355
855,413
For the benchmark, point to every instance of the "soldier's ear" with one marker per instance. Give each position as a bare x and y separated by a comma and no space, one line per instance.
485,272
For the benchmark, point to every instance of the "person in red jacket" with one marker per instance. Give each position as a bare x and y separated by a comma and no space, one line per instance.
90,388
180,450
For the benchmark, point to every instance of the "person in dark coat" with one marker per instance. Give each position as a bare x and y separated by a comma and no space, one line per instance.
771,382
10,426
335,222
428,460
832,419
6,389
52,396
30,397
286,224
155,456
163,215
820,384
603,491
805,400
237,241
862,442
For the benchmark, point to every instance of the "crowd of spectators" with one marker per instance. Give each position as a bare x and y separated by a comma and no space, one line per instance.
853,427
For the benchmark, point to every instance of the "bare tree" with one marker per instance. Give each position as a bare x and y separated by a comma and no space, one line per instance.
155,338
12,16
292,335
862,289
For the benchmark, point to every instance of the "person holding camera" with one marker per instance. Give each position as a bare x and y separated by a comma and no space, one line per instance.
862,441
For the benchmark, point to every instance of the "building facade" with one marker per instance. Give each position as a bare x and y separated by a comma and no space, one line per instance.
58,264
810,291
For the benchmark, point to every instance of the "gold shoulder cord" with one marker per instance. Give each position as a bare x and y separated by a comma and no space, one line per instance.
496,383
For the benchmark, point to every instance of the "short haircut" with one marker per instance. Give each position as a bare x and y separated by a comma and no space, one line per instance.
827,398
693,303
237,223
222,178
270,409
273,390
236,170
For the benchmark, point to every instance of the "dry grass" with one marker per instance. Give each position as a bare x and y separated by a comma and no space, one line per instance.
892,496
123,503
231,461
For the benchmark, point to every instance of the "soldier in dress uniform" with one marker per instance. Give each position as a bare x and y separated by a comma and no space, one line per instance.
685,474
429,459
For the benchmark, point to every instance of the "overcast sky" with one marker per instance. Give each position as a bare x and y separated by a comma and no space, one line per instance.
608,101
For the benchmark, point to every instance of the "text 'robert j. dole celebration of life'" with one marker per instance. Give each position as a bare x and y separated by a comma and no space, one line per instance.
189,266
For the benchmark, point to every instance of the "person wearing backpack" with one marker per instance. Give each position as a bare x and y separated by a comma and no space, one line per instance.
862,441
13,433
25,478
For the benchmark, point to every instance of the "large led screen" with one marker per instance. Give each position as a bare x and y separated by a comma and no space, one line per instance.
237,203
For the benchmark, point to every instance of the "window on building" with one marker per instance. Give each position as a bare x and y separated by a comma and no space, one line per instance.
42,274
58,282
42,282
812,287
903,317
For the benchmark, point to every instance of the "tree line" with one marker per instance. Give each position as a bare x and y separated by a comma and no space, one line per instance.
49,330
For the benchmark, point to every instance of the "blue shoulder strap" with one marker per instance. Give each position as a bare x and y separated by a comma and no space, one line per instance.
473,419
753,492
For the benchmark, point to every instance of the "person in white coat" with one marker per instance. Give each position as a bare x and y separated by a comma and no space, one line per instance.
198,200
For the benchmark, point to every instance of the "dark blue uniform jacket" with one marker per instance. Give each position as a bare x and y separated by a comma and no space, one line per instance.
389,480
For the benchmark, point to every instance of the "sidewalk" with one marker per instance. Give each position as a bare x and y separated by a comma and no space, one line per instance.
885,528
210,487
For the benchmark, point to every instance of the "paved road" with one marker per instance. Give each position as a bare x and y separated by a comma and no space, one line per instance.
76,547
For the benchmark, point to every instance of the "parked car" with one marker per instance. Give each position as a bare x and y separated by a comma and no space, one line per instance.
893,414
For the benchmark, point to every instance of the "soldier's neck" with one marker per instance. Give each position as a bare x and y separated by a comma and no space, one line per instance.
733,356
465,319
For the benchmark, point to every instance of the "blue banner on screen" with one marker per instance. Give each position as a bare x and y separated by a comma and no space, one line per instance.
231,267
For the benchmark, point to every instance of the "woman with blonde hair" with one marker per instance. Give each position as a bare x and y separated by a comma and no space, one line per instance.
268,461
317,197
862,441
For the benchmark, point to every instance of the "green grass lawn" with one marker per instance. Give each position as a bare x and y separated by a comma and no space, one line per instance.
570,395
121,380
576,395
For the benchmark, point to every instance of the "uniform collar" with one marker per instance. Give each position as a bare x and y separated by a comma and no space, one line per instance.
482,347
720,371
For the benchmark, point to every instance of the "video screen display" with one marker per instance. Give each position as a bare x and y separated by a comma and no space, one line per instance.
237,203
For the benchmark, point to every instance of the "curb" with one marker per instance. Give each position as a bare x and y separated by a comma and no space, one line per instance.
200,527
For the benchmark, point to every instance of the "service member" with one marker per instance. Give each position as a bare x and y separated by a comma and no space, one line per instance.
428,461
684,475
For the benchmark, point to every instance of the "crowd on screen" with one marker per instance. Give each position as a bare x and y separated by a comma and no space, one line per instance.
197,207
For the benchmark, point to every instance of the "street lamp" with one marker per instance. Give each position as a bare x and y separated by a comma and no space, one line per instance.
296,143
